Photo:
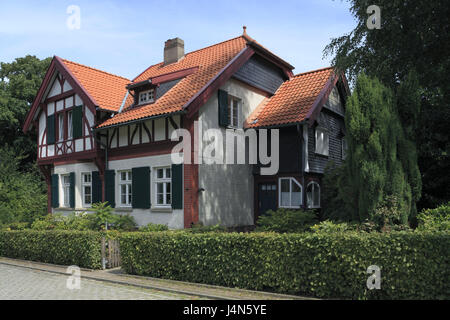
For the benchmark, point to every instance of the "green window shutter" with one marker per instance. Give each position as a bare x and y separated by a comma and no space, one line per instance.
223,108
72,190
177,186
110,181
51,129
140,187
55,193
77,122
96,187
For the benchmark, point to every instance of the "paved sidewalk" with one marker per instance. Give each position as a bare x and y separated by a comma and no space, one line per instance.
19,283
171,289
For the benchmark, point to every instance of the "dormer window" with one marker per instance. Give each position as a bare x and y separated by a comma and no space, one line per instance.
146,96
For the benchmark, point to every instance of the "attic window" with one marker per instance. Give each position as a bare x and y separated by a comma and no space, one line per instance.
146,96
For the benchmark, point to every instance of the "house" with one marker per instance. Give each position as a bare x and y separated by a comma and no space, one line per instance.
102,137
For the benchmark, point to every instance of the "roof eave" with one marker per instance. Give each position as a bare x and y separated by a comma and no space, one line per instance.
140,120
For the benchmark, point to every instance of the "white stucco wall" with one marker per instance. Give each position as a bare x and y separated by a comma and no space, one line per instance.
174,219
228,195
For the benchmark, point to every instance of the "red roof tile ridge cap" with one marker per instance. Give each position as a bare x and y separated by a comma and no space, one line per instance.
207,47
216,44
95,69
312,71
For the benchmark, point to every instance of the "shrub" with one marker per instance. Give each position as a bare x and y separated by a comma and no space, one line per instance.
102,216
286,220
125,223
79,248
23,195
200,228
15,226
331,227
152,227
74,221
388,215
413,265
437,219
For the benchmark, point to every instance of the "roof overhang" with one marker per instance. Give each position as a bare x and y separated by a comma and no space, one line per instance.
163,115
163,78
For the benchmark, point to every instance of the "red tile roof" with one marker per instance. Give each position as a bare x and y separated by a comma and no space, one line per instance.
293,100
108,90
210,61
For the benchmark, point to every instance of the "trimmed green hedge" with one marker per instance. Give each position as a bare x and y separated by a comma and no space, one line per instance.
413,265
81,248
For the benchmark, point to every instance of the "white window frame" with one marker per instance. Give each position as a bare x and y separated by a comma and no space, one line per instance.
291,180
164,181
128,188
325,149
65,190
149,96
315,185
83,190
231,114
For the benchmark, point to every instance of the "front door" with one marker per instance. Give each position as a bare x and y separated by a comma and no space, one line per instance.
267,197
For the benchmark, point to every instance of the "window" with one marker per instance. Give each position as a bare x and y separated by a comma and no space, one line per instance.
233,111
146,96
125,188
290,195
66,190
313,195
322,141
344,148
86,186
69,126
163,188
60,126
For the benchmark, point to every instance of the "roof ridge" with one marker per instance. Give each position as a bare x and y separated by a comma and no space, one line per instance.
312,71
207,47
95,69
216,44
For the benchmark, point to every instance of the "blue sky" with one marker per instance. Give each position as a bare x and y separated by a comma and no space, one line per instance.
125,37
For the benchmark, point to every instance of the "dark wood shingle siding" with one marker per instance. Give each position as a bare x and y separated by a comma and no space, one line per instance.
164,87
260,74
317,163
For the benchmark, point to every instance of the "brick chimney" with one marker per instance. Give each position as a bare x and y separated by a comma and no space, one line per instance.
173,50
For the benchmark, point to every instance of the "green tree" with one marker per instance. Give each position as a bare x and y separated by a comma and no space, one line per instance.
19,83
377,165
22,194
413,42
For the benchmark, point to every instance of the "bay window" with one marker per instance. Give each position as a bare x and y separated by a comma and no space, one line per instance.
290,194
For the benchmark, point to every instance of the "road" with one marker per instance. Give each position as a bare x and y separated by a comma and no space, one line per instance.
18,283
